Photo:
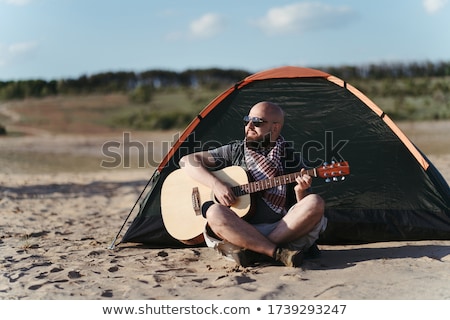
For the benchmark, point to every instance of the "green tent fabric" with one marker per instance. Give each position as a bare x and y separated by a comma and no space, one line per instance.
393,192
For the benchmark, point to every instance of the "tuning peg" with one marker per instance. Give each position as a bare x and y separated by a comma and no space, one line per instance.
335,179
342,178
327,180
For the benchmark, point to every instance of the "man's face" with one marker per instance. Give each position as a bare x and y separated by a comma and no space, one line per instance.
263,124
257,128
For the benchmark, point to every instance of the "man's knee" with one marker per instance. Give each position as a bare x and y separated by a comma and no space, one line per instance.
311,206
317,203
313,203
214,212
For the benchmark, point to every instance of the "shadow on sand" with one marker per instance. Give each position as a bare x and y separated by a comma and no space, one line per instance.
69,190
345,258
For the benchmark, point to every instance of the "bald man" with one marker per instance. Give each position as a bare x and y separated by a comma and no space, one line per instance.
287,220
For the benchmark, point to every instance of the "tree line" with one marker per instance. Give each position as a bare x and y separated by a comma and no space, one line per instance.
120,82
141,83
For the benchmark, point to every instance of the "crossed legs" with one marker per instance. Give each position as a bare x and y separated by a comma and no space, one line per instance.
298,222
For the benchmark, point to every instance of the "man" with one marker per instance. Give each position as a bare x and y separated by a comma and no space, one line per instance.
278,229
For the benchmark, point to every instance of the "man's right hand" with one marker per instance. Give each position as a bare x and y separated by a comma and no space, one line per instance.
223,193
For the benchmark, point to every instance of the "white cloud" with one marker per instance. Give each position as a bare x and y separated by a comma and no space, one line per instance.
12,52
303,16
206,26
21,47
433,6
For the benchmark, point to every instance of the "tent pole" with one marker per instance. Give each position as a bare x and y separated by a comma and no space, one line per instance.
113,243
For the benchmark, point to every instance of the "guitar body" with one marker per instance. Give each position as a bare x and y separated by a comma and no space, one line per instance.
180,195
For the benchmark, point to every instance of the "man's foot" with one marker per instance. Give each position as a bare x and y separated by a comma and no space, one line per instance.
241,256
247,258
290,258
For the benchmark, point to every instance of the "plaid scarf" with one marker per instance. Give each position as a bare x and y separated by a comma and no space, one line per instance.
263,166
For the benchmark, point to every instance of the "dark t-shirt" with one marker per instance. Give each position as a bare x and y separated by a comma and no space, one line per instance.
233,154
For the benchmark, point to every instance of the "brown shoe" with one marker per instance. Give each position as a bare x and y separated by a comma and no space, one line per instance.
290,258
247,258
241,256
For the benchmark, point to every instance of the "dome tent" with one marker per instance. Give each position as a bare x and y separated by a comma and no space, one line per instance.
393,192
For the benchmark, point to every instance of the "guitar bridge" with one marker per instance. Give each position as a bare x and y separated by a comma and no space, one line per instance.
196,201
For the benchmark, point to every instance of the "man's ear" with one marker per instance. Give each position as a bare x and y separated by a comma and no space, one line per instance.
276,128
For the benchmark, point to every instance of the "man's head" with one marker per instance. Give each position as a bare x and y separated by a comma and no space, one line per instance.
264,122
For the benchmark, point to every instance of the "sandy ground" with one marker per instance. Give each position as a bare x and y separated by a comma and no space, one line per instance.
59,213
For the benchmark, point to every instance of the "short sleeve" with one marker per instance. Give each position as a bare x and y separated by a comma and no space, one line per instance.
222,155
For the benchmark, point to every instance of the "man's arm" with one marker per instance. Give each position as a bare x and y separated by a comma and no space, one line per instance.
196,166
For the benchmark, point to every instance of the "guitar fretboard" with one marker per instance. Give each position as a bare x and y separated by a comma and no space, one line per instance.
265,184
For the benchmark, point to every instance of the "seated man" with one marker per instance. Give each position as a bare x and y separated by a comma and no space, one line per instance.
287,220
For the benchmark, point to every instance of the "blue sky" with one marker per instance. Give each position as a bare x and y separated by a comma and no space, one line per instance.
55,39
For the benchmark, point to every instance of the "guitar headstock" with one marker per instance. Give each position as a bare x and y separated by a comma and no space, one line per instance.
331,172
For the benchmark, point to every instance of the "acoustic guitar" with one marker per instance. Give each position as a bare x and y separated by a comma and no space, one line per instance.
182,197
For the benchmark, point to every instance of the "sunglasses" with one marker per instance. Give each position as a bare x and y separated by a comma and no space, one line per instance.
257,122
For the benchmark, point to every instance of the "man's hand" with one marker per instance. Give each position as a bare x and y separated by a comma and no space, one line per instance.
304,182
223,193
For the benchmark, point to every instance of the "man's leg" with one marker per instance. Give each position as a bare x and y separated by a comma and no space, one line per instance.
299,221
228,226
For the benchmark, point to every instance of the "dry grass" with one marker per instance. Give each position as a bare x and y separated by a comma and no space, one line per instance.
67,133
431,137
69,114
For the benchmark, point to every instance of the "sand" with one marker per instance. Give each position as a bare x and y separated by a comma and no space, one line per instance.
60,211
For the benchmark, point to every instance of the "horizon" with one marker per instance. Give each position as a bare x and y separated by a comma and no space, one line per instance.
320,68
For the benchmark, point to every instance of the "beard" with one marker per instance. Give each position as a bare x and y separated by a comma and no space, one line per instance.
261,143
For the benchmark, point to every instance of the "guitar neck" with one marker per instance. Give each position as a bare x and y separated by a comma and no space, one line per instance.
265,184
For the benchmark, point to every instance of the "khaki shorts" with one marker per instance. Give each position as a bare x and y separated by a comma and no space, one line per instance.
303,243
